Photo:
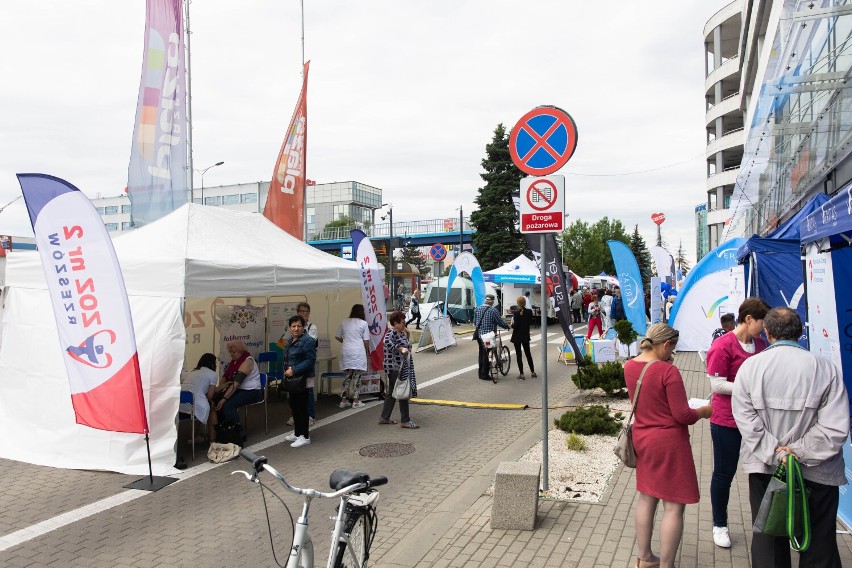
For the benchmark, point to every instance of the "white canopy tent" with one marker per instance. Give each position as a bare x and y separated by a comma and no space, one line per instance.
520,270
196,251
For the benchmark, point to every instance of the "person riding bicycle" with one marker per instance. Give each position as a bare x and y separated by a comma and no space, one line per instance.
486,319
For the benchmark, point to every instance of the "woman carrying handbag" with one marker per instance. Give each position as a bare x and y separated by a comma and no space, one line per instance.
399,366
665,470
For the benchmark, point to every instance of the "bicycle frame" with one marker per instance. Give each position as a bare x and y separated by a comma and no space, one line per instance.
302,550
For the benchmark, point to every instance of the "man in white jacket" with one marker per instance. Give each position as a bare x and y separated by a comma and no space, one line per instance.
787,401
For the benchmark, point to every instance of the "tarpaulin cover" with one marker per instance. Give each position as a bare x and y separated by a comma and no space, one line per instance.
776,269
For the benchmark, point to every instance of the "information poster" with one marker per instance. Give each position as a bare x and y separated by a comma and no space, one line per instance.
243,323
279,314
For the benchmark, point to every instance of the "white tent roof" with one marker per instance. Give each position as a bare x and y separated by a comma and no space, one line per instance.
211,251
196,251
519,267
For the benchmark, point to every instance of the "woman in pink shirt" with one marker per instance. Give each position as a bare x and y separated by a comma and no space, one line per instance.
724,358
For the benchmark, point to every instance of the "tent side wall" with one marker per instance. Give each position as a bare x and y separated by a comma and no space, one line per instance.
37,423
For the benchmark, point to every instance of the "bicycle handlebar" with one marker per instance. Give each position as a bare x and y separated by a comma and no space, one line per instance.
260,463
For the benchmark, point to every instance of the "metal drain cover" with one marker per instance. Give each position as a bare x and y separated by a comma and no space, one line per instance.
387,450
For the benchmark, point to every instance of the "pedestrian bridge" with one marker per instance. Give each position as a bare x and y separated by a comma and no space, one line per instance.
407,233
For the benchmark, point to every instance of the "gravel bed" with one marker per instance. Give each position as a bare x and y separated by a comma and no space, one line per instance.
580,476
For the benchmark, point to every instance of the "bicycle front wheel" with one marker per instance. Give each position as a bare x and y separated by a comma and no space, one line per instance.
353,551
505,360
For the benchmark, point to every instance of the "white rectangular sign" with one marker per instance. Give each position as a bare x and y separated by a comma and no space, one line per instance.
543,204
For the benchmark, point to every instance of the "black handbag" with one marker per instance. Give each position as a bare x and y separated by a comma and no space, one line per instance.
229,433
294,384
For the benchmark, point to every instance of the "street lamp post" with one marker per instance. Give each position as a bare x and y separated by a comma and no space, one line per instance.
461,230
202,172
391,289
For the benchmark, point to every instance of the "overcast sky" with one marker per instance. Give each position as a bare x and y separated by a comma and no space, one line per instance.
403,95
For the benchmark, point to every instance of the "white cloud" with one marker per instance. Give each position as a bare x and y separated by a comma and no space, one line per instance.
402,95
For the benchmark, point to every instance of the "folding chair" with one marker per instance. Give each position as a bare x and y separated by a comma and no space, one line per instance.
271,360
264,385
186,397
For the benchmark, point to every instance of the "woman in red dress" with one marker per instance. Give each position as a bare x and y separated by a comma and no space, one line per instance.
665,470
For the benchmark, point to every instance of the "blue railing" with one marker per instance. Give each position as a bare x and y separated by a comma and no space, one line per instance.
400,229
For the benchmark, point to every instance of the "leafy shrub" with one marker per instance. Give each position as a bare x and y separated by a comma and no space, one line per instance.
589,420
608,377
575,442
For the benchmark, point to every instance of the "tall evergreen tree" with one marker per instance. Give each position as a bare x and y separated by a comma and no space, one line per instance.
584,248
497,238
412,255
680,259
642,254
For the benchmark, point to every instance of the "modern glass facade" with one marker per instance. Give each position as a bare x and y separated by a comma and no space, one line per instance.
329,202
799,104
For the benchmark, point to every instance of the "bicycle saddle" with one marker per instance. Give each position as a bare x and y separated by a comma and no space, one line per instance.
341,478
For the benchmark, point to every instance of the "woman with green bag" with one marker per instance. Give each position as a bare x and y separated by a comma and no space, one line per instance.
787,401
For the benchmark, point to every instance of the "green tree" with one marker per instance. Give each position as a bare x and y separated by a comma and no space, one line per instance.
680,259
344,221
497,238
584,247
642,254
414,257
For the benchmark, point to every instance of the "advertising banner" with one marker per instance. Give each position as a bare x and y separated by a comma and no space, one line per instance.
466,262
555,282
241,323
157,176
372,296
705,295
630,282
656,300
90,305
285,205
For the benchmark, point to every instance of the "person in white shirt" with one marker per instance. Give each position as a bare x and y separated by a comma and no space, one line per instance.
201,382
354,334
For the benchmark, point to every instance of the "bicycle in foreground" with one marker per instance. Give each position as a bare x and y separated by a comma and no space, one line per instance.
499,356
355,522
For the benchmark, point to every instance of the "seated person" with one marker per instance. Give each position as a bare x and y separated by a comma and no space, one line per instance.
201,382
728,323
240,384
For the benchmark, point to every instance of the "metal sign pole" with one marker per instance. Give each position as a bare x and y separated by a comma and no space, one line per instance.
543,365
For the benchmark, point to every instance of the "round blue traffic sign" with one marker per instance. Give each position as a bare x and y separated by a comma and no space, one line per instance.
438,252
543,140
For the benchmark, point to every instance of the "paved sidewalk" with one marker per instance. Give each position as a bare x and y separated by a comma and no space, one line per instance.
579,534
434,511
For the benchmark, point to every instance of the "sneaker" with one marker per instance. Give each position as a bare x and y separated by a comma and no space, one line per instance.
290,421
357,404
291,437
521,377
721,537
300,441
344,403
310,422
533,375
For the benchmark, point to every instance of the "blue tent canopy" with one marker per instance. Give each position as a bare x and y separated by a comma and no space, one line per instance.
767,245
790,228
830,220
